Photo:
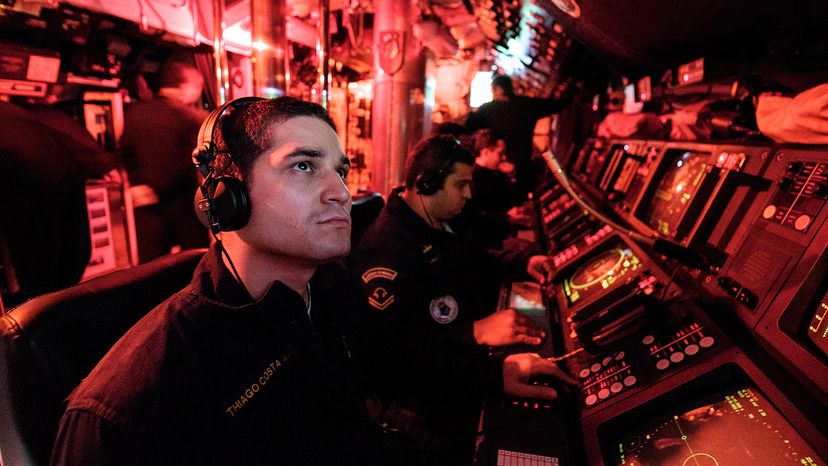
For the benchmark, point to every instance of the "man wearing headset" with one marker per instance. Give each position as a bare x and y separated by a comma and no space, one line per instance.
249,363
433,295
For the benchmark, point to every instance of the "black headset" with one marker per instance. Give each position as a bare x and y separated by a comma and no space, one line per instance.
432,179
221,203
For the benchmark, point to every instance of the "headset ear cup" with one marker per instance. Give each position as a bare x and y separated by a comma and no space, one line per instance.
231,203
230,208
425,185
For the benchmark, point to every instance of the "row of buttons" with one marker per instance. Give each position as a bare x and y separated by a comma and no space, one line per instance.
605,378
516,458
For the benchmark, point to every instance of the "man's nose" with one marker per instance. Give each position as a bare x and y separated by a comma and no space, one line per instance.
335,188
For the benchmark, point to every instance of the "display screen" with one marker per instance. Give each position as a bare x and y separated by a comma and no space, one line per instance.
737,427
677,184
818,328
600,273
526,297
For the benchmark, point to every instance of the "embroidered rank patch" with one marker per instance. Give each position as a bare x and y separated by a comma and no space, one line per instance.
444,309
380,298
379,272
430,254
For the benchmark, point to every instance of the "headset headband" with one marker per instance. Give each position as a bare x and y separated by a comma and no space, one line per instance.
205,150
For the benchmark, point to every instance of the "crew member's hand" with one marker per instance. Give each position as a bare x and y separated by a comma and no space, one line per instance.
507,168
541,268
113,176
519,368
508,327
518,216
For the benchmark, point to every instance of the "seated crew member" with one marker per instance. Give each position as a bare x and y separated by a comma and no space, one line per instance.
493,208
432,295
249,363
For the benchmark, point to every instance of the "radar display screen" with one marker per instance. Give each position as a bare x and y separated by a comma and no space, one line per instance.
818,328
677,185
735,427
600,273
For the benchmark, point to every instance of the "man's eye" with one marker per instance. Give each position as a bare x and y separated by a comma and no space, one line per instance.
343,173
303,166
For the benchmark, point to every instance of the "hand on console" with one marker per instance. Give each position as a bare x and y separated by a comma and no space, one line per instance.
518,369
507,327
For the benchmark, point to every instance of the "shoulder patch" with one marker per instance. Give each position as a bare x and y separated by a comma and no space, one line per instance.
380,298
379,272
444,309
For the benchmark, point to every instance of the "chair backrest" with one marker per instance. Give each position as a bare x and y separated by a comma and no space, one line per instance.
366,207
50,343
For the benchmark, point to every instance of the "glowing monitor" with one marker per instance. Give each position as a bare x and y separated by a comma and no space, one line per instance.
679,178
818,328
481,89
737,427
603,272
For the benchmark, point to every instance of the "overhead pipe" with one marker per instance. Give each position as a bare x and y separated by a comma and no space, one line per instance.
399,80
323,51
222,69
271,75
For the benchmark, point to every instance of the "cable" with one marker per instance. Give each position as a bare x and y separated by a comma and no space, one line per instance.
662,246
559,175
667,286
422,202
233,268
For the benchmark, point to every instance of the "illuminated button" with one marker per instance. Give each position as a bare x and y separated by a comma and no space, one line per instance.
606,361
648,340
802,222
620,356
748,298
691,349
584,373
630,380
769,211
595,367
662,364
591,400
616,387
603,393
706,342
677,357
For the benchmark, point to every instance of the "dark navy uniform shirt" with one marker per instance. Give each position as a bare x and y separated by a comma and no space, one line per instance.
209,378
425,288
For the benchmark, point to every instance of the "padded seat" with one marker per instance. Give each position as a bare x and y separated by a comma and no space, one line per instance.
365,209
50,343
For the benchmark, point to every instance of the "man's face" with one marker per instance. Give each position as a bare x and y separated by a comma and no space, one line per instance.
192,87
498,93
490,157
301,208
448,202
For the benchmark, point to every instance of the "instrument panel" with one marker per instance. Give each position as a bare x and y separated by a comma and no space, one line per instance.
668,363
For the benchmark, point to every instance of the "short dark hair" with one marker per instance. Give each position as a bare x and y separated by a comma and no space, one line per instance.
484,139
504,82
435,153
449,127
174,73
246,132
